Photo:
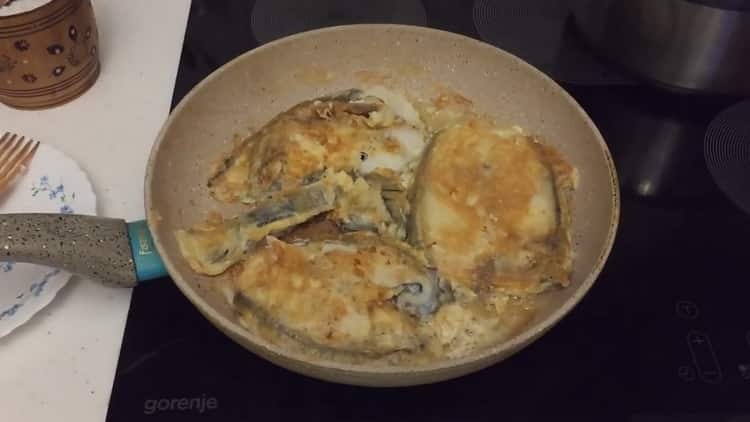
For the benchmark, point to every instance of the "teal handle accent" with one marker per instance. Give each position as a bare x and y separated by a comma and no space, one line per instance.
148,263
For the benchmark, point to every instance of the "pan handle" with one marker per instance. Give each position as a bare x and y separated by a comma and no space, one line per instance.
107,250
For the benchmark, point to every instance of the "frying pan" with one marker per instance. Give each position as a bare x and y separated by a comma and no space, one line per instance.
248,91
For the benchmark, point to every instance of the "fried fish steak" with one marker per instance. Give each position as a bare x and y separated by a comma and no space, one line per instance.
214,245
354,131
357,294
492,208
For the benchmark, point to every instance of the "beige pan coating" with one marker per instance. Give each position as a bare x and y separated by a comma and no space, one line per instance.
251,89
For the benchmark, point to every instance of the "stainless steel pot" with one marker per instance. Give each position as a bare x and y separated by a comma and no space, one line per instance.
686,45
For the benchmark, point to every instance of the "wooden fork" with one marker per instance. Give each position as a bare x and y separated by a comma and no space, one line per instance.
15,154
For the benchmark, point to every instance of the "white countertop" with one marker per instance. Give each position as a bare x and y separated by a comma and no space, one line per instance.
61,364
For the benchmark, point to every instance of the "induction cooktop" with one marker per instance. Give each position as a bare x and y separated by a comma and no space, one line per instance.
664,334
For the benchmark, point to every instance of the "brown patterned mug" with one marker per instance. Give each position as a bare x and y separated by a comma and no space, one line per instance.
49,55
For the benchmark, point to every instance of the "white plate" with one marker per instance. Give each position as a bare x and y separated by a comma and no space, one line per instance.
53,183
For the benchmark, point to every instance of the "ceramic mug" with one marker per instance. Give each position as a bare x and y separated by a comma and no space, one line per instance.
49,55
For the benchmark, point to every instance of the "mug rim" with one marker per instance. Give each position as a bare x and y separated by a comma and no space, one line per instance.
27,13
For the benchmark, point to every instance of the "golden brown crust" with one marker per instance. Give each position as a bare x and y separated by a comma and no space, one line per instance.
334,294
340,134
445,110
486,208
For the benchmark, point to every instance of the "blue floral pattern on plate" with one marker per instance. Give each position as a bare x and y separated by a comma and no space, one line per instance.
54,193
58,194
53,183
35,290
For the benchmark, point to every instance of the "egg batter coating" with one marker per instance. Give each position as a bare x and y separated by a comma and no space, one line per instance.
492,209
384,230
357,294
354,131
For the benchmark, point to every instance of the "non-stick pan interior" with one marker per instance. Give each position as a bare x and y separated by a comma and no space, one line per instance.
248,91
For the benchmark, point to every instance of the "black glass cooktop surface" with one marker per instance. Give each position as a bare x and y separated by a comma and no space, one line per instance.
664,335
